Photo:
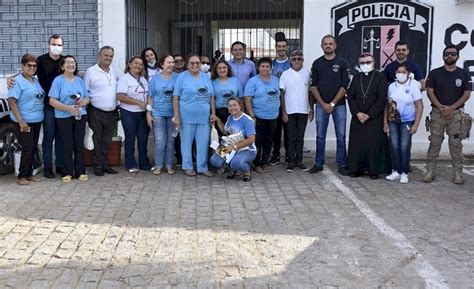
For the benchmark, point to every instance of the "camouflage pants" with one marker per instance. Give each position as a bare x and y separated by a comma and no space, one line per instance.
453,129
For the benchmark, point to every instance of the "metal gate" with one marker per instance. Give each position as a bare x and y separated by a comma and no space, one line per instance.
136,26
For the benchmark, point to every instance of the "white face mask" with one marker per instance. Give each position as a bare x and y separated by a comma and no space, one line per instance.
401,77
55,50
366,68
205,67
152,63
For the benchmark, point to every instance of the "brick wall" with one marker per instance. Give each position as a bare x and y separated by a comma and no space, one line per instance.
25,26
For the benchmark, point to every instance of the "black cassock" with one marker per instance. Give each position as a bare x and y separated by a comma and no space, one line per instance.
367,151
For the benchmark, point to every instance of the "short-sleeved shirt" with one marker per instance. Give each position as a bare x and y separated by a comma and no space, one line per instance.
391,69
448,86
243,124
102,87
66,92
278,67
48,70
243,71
265,96
194,97
296,87
222,91
29,99
161,90
329,76
403,96
133,88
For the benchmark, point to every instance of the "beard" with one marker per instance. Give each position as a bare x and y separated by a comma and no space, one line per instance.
449,61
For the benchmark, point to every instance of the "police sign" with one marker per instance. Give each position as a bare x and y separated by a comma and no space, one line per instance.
375,27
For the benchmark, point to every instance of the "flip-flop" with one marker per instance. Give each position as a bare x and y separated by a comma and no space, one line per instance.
190,173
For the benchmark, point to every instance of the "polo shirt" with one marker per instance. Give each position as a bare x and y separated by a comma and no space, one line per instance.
296,87
102,87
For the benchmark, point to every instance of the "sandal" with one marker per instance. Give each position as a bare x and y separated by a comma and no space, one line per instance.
170,171
66,179
190,173
157,171
231,175
83,178
247,177
207,174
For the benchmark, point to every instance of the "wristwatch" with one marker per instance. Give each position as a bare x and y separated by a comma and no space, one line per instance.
332,104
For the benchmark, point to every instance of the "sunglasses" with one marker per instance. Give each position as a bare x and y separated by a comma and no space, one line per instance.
448,54
32,65
297,59
365,62
194,63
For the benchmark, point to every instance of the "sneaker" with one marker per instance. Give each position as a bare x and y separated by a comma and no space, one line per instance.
343,171
274,161
48,173
22,182
290,168
66,179
394,176
306,150
429,177
302,167
403,178
458,180
133,171
83,177
315,169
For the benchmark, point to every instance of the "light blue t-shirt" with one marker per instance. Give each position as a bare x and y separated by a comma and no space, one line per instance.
279,67
242,124
403,97
222,91
65,92
194,97
265,96
29,99
161,90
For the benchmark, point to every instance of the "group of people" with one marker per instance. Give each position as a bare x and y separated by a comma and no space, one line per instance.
181,100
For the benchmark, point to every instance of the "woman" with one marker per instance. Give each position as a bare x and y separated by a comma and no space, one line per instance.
262,101
69,96
160,113
26,101
402,117
150,57
132,89
238,123
225,86
193,108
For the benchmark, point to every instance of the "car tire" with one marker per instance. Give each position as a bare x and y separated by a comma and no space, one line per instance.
8,144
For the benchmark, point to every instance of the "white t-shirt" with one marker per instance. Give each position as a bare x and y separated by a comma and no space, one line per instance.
136,89
296,86
102,87
403,97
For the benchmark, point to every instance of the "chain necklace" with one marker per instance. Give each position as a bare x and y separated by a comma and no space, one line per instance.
364,93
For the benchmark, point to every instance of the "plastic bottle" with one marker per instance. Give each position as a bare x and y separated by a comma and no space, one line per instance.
175,131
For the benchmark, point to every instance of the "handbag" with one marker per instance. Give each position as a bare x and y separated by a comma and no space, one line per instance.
88,141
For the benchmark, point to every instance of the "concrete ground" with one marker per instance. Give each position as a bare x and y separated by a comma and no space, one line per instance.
281,230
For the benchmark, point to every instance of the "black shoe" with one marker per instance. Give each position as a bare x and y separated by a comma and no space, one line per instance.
343,171
110,170
48,173
355,175
231,175
374,176
302,167
247,178
290,168
315,169
98,172
59,170
274,161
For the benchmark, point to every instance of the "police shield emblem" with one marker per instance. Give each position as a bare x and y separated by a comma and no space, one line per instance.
375,27
458,82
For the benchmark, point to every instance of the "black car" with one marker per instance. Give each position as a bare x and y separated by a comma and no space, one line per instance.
8,139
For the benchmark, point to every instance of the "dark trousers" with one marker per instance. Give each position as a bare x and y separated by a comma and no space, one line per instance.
296,128
177,150
265,129
102,124
51,135
72,132
280,125
223,115
29,143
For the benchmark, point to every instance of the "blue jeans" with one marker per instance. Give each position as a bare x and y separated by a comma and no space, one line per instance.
164,141
401,144
241,162
200,133
322,120
135,127
50,135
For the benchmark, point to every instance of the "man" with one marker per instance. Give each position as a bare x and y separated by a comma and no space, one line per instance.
367,96
294,86
101,82
178,68
279,65
448,89
178,63
205,65
48,69
402,50
242,68
329,80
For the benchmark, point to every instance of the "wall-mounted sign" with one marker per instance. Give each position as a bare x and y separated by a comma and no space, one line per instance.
188,24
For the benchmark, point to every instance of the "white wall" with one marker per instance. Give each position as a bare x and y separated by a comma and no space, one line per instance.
445,14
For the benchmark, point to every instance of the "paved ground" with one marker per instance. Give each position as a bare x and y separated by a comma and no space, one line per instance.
282,230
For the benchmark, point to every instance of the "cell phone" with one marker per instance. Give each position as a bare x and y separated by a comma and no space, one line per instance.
408,127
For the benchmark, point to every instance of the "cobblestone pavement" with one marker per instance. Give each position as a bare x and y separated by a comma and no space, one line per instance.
282,230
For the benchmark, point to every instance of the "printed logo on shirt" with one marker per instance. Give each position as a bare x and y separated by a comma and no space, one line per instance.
228,93
39,99
335,67
458,82
272,95
202,93
74,98
168,94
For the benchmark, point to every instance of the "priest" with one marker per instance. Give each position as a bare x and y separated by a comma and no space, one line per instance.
367,96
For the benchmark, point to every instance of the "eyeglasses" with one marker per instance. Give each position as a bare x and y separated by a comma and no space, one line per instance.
297,59
401,49
179,60
448,54
32,65
208,63
365,62
194,63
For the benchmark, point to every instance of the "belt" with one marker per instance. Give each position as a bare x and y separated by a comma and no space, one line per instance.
104,111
